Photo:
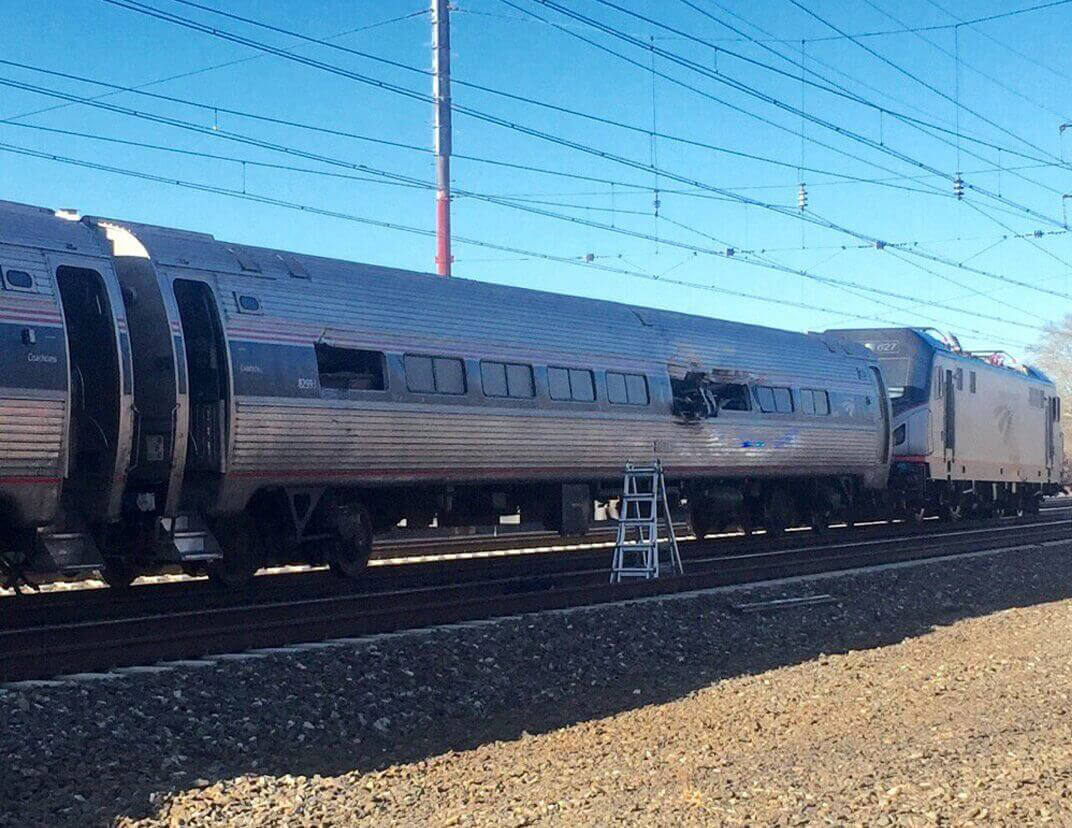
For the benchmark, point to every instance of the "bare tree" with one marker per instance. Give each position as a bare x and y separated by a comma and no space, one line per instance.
1053,353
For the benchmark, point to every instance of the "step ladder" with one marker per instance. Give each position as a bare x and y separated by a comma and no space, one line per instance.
637,550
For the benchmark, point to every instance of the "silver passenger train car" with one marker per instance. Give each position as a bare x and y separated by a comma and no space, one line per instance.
973,432
167,398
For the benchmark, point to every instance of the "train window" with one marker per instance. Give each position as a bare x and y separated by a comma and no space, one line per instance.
558,383
420,375
571,384
1035,398
627,389
732,396
814,401
248,304
350,369
506,379
900,434
434,375
18,280
449,375
959,375
971,382
774,399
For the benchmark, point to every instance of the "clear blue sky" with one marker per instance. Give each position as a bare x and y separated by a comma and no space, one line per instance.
1029,93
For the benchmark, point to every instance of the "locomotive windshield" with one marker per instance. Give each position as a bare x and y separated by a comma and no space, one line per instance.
905,359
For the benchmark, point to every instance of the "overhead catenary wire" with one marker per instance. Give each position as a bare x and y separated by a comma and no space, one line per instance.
147,9
844,132
368,169
304,208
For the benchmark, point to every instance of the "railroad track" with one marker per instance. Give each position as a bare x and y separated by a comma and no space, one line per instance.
45,637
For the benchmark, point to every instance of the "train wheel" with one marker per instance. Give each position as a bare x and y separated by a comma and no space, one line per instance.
700,520
777,512
118,573
353,547
239,563
951,512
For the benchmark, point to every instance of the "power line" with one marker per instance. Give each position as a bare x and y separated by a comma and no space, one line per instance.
546,136
812,218
272,201
144,8
923,126
774,101
920,80
833,90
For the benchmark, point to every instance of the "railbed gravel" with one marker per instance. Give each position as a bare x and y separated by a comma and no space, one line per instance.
933,694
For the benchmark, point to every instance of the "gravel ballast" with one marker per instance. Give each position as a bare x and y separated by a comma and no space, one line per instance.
922,694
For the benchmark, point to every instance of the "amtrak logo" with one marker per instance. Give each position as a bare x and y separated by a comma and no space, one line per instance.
1003,416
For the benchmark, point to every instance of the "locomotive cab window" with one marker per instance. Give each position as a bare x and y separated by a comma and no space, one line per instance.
627,389
18,280
814,401
571,384
350,369
434,375
506,379
774,399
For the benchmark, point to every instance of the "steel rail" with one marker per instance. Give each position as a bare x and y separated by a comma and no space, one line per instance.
96,644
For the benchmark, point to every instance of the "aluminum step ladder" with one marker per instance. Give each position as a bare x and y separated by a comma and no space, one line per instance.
637,550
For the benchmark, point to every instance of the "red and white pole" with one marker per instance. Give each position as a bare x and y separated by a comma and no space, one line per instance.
441,93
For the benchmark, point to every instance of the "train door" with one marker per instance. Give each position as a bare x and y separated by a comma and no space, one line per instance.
1050,412
160,431
949,417
96,390
206,368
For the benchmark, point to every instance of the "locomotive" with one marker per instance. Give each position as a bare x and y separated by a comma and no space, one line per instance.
168,399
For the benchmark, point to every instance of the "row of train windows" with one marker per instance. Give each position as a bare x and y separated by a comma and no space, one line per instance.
346,369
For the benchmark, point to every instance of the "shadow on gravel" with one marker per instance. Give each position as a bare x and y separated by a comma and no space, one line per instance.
94,752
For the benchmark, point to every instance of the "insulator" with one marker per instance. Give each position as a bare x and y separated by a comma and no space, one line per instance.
730,251
589,257
802,196
958,186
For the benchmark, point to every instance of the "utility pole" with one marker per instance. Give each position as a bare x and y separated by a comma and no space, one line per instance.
441,93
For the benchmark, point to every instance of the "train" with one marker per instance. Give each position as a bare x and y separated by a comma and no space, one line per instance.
171,400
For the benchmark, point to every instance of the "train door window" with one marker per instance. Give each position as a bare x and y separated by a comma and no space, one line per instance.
571,384
971,382
350,369
627,389
814,401
18,280
503,379
959,375
900,434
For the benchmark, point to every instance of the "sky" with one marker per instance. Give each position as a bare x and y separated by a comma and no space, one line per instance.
562,198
